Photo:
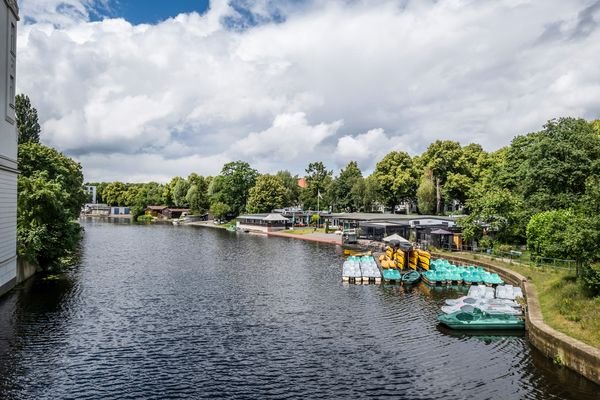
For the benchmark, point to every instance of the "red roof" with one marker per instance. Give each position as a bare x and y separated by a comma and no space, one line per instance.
302,183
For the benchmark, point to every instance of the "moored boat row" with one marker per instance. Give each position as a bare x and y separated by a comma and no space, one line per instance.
442,272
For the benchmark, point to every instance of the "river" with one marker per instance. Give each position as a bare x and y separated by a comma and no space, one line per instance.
155,312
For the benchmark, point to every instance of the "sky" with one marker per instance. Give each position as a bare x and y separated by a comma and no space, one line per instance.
147,90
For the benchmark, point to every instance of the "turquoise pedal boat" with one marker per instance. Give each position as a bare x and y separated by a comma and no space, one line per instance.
411,277
478,321
391,274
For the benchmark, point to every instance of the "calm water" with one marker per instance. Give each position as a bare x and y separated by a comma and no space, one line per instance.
156,312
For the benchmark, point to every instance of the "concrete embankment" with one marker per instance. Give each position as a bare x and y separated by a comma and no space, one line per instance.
311,237
25,270
563,349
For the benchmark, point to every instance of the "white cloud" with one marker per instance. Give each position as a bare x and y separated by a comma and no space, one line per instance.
289,137
189,92
368,148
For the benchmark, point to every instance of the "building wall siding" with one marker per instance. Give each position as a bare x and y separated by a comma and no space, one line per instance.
8,226
8,151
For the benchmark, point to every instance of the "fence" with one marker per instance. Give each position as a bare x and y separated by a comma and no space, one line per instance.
514,257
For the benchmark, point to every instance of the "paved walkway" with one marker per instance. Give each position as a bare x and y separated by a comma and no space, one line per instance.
319,237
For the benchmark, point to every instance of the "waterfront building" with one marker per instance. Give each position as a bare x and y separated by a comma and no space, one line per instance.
422,229
9,15
96,210
262,222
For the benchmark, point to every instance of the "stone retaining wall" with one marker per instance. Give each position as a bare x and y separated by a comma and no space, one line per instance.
563,349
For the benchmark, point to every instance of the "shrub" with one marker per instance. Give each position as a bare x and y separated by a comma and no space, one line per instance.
504,248
486,242
144,218
591,280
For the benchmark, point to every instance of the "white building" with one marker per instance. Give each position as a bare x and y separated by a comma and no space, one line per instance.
8,145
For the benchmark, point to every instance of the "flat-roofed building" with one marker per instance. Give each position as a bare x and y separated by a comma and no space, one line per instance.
262,222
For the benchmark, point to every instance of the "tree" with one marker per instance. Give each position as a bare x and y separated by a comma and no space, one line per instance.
50,197
549,168
141,195
457,187
115,194
197,197
180,191
28,126
292,190
426,194
397,178
318,179
344,183
34,157
268,193
562,234
232,185
500,211
220,210
441,158
315,219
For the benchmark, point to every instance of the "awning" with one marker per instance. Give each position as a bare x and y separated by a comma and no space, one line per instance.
395,237
275,218
441,232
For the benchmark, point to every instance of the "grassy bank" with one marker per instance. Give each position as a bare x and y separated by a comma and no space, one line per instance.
565,305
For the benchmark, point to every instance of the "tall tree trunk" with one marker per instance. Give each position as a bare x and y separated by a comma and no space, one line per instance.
438,196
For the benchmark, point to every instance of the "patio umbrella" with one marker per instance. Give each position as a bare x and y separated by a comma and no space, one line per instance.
441,232
395,237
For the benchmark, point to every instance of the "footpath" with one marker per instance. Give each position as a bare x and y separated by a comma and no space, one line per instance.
318,237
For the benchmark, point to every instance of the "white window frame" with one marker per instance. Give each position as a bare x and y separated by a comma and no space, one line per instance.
11,68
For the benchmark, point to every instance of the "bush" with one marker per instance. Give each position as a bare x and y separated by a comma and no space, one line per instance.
591,280
504,248
486,242
144,218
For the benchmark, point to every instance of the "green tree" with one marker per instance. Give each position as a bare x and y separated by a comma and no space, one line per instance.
28,126
167,193
315,219
268,193
180,191
220,210
292,190
318,179
232,185
50,197
197,196
349,176
426,194
34,157
442,158
562,234
115,194
549,168
500,211
397,178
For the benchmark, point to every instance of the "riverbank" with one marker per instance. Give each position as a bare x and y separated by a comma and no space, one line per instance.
207,224
562,323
